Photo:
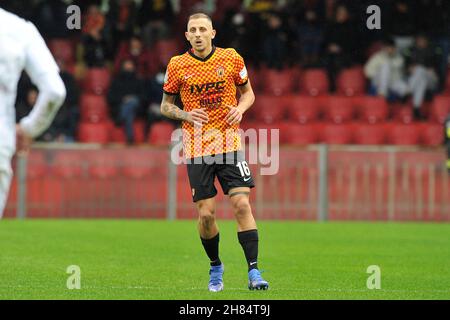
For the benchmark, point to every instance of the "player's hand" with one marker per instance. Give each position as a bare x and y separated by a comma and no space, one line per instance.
234,116
23,141
198,117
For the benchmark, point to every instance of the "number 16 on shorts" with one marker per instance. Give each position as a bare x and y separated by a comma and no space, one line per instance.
244,169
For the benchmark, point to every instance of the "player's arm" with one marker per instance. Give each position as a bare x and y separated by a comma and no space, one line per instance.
44,73
245,102
170,110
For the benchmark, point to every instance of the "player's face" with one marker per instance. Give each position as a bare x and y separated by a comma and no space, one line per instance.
200,34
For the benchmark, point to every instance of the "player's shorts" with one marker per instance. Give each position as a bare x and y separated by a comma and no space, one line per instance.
231,170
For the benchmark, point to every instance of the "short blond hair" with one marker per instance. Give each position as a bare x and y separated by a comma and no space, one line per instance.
199,15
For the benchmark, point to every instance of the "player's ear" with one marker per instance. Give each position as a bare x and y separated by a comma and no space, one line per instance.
213,34
186,34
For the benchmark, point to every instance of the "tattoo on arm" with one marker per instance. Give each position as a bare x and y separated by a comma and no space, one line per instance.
170,110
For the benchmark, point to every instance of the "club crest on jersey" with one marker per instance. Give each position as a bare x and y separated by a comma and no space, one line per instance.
220,71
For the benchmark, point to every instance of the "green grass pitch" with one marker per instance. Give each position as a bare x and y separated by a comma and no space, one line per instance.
143,259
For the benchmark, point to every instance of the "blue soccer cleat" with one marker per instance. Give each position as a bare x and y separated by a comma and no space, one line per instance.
216,278
255,281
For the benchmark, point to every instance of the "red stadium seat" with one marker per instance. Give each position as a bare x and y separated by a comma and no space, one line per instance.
403,134
372,109
278,83
432,134
301,134
402,113
118,133
161,133
338,109
372,134
440,109
302,109
269,109
336,133
93,108
62,49
351,82
96,81
166,49
314,82
94,132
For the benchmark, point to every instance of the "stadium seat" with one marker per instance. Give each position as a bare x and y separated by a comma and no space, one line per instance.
314,82
351,82
93,108
269,109
372,109
300,134
161,133
338,109
94,132
96,81
336,133
302,109
277,82
440,109
402,113
166,49
403,134
62,49
371,134
432,134
118,133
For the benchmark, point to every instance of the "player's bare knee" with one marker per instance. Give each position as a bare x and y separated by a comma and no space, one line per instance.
241,206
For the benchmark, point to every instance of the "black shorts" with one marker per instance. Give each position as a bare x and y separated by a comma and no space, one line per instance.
230,168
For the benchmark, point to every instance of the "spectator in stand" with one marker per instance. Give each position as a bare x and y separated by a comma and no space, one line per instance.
121,20
95,48
66,120
155,19
435,21
310,37
125,98
341,40
50,18
386,71
237,35
402,24
141,56
153,99
422,61
275,42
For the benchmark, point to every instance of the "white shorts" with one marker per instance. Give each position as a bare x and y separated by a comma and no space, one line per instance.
5,181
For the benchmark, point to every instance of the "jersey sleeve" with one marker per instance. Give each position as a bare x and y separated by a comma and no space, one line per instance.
38,59
172,82
240,71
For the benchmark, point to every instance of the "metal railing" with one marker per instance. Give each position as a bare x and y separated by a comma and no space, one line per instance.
317,182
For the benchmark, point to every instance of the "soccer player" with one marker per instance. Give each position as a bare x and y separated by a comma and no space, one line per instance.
206,78
22,48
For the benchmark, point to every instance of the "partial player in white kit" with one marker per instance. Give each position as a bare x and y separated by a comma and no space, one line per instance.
22,48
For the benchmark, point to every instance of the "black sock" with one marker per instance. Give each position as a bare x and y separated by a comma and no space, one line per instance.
212,249
249,242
